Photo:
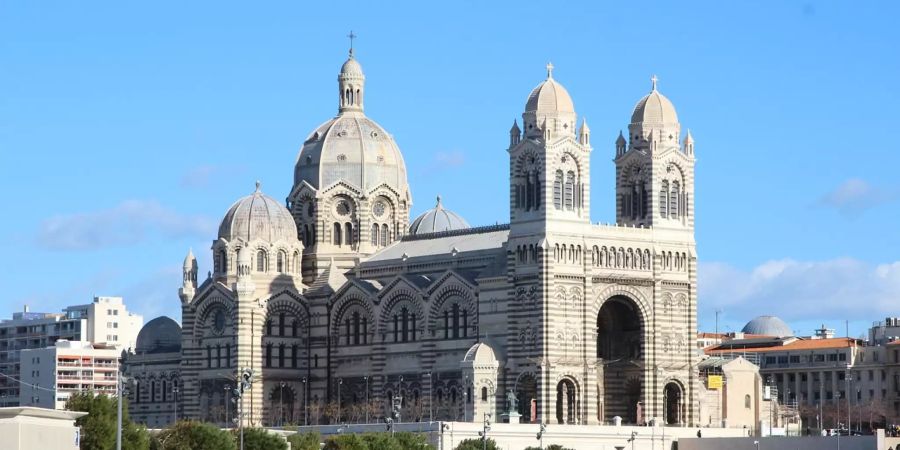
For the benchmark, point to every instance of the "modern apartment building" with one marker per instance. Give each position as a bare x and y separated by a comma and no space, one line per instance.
105,320
50,375
109,321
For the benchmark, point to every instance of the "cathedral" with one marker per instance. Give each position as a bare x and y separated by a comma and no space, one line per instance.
346,310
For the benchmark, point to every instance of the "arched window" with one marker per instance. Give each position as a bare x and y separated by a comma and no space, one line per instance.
281,324
356,328
261,261
484,393
537,190
673,200
295,265
385,235
269,327
569,194
268,355
294,326
224,257
375,231
337,234
294,356
529,192
664,200
557,190
281,352
279,263
747,401
348,233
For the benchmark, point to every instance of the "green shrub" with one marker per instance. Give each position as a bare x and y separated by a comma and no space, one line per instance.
98,428
305,441
191,435
476,444
259,439
345,442
549,447
412,441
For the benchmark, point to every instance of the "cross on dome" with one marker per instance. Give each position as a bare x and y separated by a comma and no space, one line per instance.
653,80
258,184
352,37
549,70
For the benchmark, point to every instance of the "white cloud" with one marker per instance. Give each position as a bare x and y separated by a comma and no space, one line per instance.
127,223
445,160
854,196
202,176
802,291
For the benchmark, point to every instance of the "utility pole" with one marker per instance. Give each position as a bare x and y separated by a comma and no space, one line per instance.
367,397
121,392
486,426
227,401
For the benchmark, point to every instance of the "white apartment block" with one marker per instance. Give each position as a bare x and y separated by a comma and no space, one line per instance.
109,322
51,375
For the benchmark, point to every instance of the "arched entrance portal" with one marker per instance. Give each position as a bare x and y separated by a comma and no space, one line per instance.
566,402
526,391
673,400
620,351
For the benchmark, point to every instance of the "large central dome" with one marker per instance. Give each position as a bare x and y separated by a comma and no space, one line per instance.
350,147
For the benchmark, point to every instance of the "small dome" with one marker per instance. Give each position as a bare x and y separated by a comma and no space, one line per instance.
768,326
351,67
437,219
654,108
549,96
160,335
480,353
258,216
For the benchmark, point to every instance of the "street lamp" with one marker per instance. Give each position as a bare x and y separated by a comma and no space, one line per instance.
305,403
175,394
281,400
756,443
367,397
486,426
227,400
430,397
340,382
849,379
632,438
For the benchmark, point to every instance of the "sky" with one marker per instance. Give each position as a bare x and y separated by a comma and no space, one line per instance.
127,130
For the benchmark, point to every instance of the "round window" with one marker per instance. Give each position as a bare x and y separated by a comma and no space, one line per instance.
342,208
378,209
219,322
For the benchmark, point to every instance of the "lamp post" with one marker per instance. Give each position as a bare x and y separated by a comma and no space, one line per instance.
367,397
305,403
281,407
227,400
340,382
430,397
465,399
486,426
849,379
175,394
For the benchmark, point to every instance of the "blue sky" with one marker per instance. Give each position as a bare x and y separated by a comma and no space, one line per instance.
127,130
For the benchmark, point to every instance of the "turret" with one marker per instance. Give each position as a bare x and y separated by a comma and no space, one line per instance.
244,285
688,147
584,133
620,144
515,134
189,278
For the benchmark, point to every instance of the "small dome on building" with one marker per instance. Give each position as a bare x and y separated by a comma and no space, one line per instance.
768,326
437,219
258,217
481,353
160,335
351,67
654,108
549,97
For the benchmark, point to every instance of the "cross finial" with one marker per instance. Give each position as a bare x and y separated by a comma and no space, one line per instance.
653,80
258,184
352,37
549,70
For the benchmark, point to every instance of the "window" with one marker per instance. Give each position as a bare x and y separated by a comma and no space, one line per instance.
484,394
843,357
280,262
281,352
557,190
747,401
673,200
268,355
375,231
385,235
832,357
337,234
261,261
348,233
570,191
663,200
795,359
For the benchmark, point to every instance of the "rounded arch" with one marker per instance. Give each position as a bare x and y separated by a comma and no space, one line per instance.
446,295
346,304
673,401
568,399
208,306
629,292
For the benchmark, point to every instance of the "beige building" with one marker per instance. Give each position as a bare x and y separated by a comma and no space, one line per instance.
27,428
336,298
108,322
51,375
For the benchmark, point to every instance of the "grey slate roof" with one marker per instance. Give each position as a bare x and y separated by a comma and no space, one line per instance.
442,245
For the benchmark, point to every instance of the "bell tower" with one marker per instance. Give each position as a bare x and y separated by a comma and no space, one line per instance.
654,173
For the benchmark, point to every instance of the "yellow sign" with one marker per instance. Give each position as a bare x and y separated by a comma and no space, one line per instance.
714,382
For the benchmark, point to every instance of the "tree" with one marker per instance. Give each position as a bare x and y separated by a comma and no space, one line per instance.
476,444
305,441
381,441
412,441
98,428
549,447
345,442
260,439
190,435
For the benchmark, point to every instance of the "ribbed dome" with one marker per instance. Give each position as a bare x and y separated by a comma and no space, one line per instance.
160,335
353,148
654,108
480,353
258,216
351,67
549,96
768,326
437,219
